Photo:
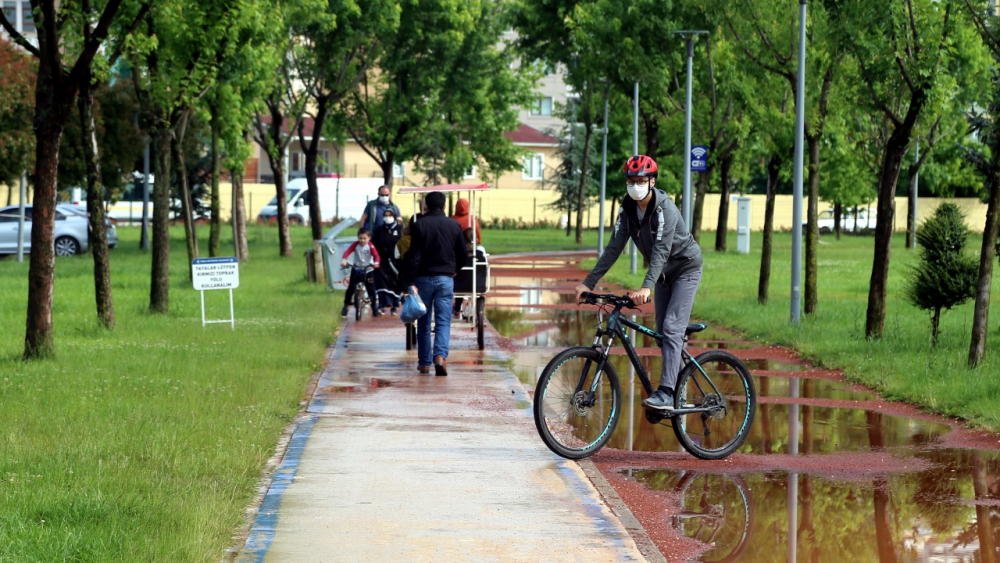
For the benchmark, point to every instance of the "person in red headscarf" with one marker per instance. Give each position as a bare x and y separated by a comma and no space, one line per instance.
465,220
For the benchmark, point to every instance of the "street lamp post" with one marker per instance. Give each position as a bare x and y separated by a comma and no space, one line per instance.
604,176
144,235
913,209
635,150
800,119
687,207
20,219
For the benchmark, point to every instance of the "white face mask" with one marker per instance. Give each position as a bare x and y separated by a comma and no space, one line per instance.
638,193
383,199
389,221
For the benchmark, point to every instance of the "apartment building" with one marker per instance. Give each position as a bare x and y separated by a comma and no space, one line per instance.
18,13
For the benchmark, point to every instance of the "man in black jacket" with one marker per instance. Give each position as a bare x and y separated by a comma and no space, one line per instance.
436,256
654,225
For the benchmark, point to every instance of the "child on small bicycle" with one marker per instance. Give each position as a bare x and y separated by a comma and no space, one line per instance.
366,259
652,222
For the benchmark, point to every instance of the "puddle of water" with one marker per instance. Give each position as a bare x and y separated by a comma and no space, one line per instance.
354,386
533,326
822,430
946,513
774,365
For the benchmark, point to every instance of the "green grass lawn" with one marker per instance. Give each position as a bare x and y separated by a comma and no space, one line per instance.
902,365
146,443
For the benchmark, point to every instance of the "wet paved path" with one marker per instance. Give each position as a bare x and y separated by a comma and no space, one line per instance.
392,466
829,473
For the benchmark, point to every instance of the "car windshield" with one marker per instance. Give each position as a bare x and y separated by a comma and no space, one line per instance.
291,194
828,214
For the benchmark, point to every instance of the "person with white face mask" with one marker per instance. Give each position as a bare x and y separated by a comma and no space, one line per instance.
376,208
653,223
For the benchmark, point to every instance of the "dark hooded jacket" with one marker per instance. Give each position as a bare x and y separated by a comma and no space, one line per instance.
661,236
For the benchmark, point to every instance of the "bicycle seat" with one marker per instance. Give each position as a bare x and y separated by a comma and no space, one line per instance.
695,327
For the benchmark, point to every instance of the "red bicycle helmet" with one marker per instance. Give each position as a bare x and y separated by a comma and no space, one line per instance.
640,165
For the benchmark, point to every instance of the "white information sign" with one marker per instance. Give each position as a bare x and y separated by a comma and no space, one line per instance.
216,273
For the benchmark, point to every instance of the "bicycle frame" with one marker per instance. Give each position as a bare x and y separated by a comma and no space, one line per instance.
615,328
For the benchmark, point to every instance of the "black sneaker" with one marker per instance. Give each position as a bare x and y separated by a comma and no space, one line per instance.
343,312
376,313
661,399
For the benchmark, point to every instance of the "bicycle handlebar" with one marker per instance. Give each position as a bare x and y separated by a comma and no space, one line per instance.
616,300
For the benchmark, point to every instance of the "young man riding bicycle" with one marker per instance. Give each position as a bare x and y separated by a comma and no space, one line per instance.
651,220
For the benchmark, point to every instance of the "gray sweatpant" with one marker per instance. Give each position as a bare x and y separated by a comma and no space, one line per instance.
673,312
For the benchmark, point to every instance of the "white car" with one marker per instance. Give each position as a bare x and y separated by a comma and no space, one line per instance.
71,230
867,218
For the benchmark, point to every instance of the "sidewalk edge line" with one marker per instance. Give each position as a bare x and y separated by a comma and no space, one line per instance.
275,463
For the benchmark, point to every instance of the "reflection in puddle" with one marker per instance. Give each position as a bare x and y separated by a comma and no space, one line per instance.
821,430
946,513
354,386
560,328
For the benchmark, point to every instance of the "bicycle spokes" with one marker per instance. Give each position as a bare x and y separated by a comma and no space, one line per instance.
577,403
723,391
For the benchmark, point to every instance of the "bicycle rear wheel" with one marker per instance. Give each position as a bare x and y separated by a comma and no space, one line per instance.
733,399
572,421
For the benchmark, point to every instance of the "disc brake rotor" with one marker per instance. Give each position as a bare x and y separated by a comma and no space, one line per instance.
580,406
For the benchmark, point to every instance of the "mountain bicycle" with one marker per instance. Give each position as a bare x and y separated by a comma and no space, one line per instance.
578,397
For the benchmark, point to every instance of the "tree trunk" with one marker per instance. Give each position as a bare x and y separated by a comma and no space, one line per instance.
311,150
242,251
284,237
722,228
892,161
215,230
651,127
911,194
935,323
276,156
812,227
190,235
773,168
984,525
856,219
386,166
97,236
980,317
838,214
159,288
699,201
581,195
49,122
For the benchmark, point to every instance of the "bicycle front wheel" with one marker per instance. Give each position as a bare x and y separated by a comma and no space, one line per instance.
727,389
574,417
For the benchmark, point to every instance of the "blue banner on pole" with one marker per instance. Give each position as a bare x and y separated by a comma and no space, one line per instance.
699,158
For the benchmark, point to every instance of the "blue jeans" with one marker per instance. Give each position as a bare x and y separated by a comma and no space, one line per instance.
437,293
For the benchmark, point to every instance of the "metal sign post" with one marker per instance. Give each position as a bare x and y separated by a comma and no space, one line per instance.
216,273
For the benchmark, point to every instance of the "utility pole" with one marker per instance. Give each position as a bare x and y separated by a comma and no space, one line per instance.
635,151
800,120
604,176
687,203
